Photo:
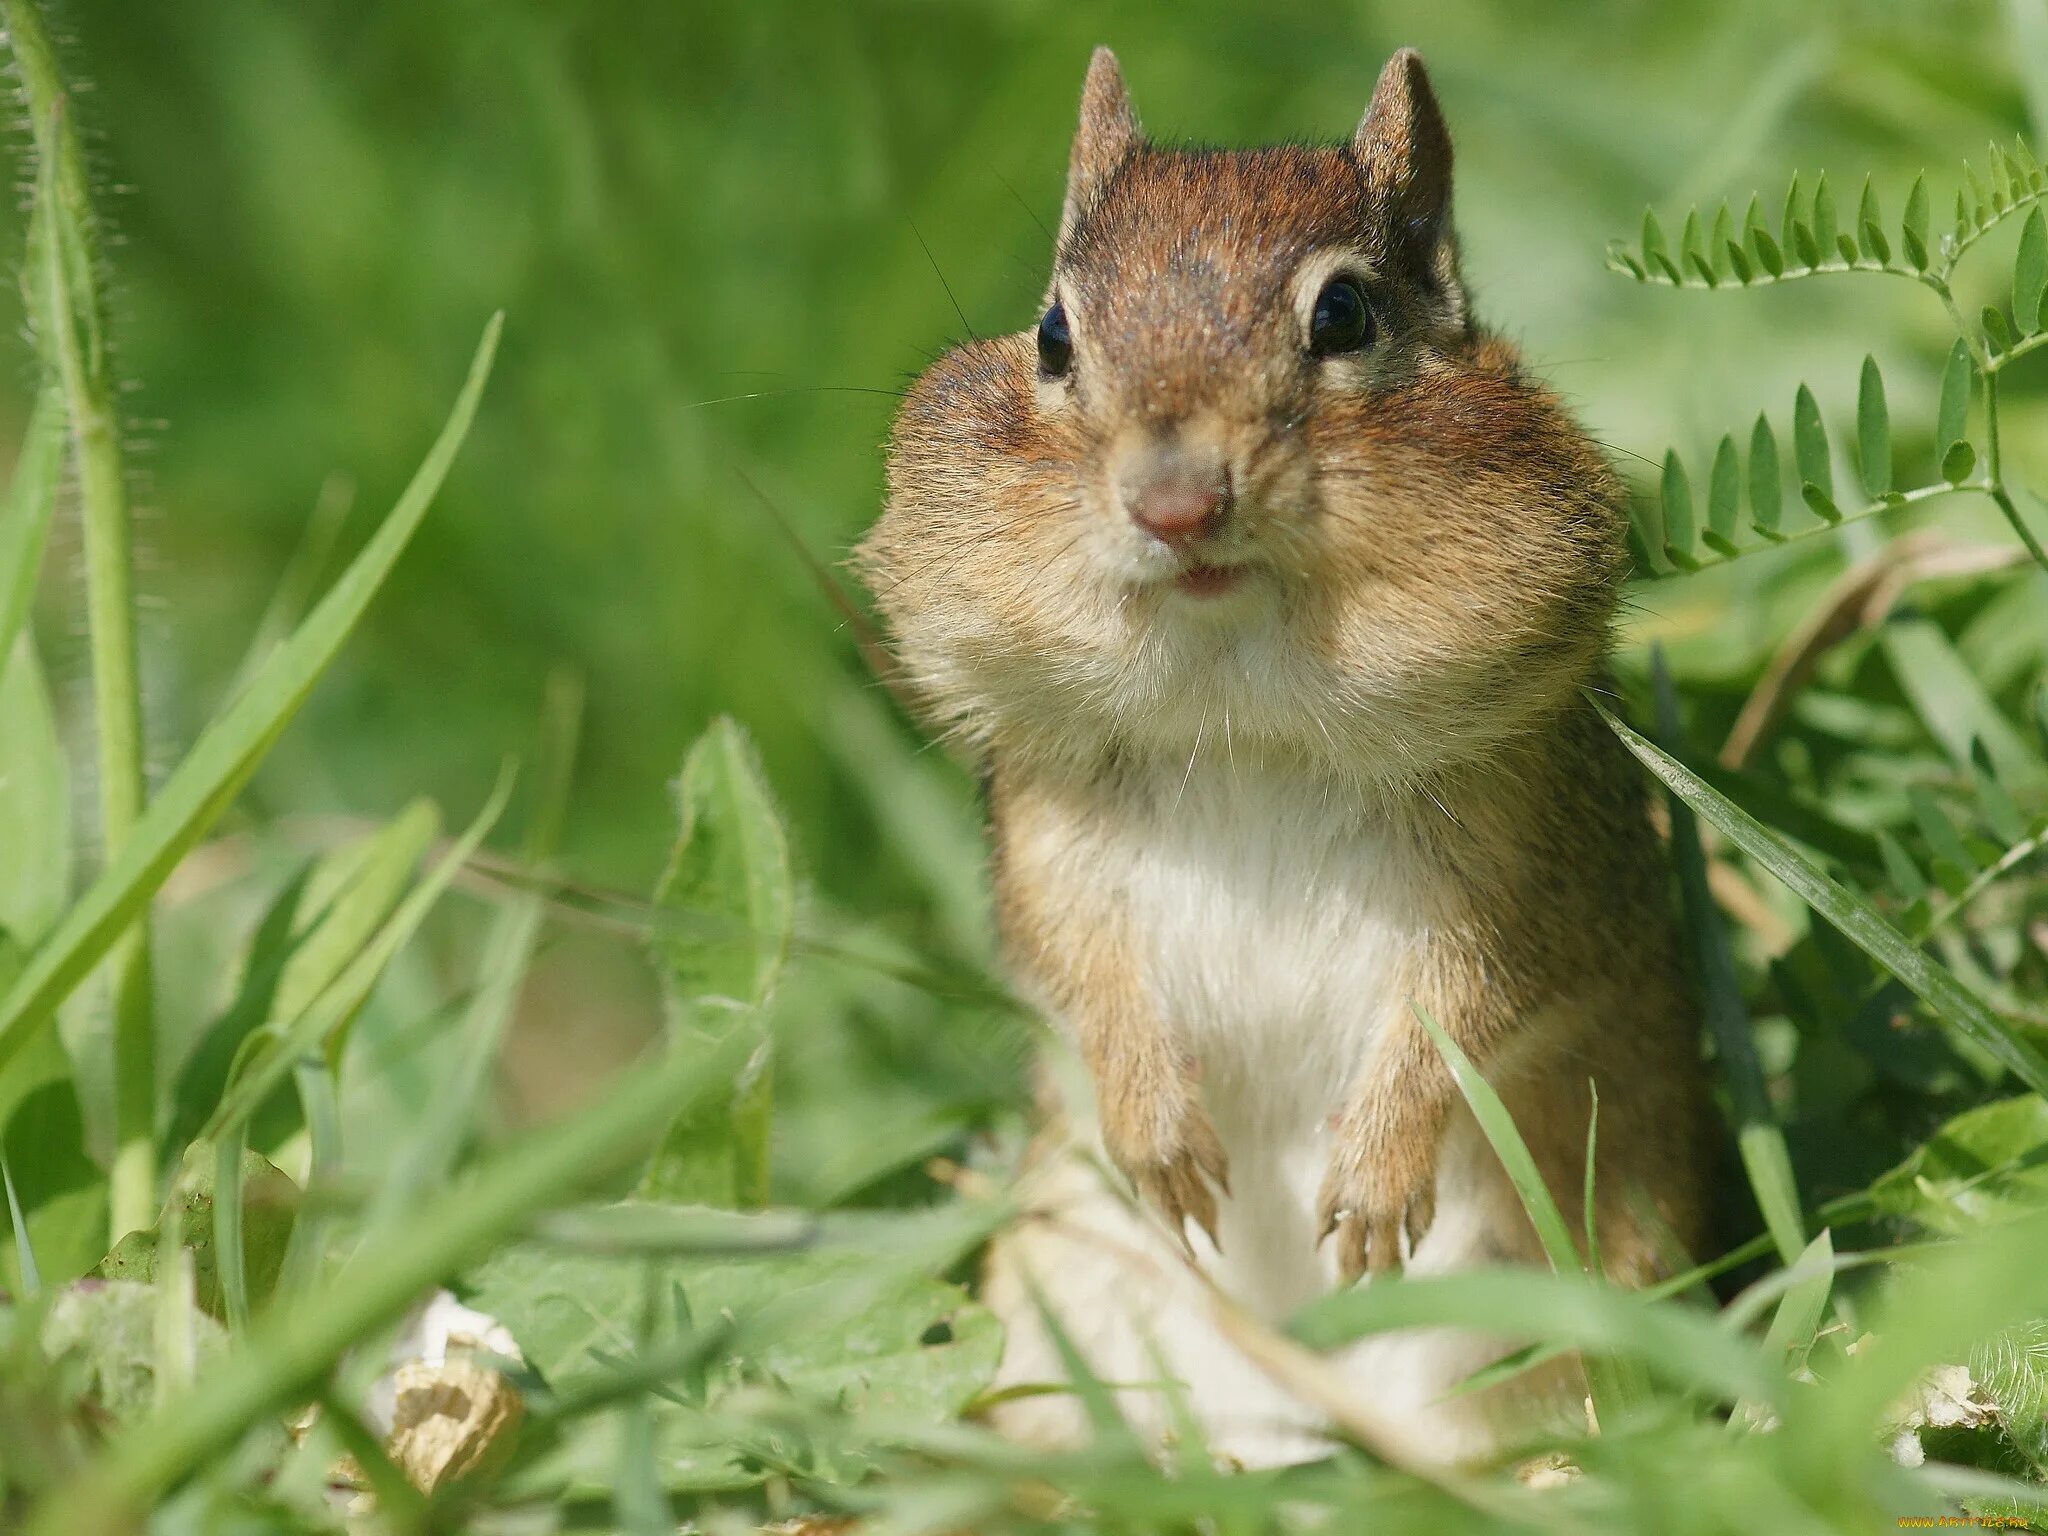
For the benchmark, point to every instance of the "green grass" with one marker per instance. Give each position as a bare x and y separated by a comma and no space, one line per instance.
709,1096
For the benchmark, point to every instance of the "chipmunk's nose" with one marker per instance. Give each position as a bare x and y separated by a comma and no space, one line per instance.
1177,497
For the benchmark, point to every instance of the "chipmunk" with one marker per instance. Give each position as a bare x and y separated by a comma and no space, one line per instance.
1264,585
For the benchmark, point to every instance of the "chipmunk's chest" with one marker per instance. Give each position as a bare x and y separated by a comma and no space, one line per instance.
1272,921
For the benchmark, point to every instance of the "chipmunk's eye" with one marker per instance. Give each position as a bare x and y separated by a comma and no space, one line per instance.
1055,343
1341,322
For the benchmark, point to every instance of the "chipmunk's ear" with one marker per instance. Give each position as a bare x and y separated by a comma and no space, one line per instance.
1106,137
1405,151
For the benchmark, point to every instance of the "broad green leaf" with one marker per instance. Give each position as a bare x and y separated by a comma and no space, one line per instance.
856,1322
1997,332
227,752
1676,494
1913,227
1674,1341
269,1206
2030,273
25,518
1724,498
1957,463
1870,224
1762,1143
1873,432
110,1331
1986,1165
731,866
1852,915
1766,498
289,1350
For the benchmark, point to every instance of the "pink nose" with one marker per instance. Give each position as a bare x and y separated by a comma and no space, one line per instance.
1178,502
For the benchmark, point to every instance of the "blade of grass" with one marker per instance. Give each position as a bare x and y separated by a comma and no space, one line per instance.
1613,1385
290,1349
1508,1146
229,750
1675,1342
1856,918
25,520
24,1250
321,1104
431,1154
1765,1156
80,364
324,1020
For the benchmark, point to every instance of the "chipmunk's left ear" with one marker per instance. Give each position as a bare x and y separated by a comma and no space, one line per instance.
1404,149
1107,135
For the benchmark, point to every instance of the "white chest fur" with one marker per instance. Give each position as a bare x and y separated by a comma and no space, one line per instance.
1271,917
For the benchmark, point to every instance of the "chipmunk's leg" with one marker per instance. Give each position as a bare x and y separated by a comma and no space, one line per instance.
1381,1183
1067,934
1153,1124
1381,1186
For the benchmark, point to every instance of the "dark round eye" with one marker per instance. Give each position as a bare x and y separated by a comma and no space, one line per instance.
1341,322
1055,343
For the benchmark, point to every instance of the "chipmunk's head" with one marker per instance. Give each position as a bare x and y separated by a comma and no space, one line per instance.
1252,470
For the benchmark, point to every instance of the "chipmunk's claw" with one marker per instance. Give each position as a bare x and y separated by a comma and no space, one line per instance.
1183,1183
1369,1219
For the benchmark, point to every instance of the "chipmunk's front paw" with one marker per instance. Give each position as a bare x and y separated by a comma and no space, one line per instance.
1170,1150
1371,1199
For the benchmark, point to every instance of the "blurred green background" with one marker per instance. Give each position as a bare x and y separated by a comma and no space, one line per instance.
708,225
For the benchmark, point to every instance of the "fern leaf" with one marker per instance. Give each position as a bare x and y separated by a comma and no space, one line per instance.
2000,811
2030,274
1870,225
1692,249
1913,227
1677,505
1724,495
1873,432
1761,244
1810,455
1952,418
1825,225
1996,331
1766,490
1721,242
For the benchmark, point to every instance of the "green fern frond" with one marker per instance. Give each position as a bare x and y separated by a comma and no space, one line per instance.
1812,234
1745,503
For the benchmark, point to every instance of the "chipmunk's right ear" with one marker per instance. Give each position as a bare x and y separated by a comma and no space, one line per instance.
1105,139
1405,151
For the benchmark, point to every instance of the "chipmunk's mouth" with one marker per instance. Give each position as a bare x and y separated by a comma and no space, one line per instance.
1200,580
